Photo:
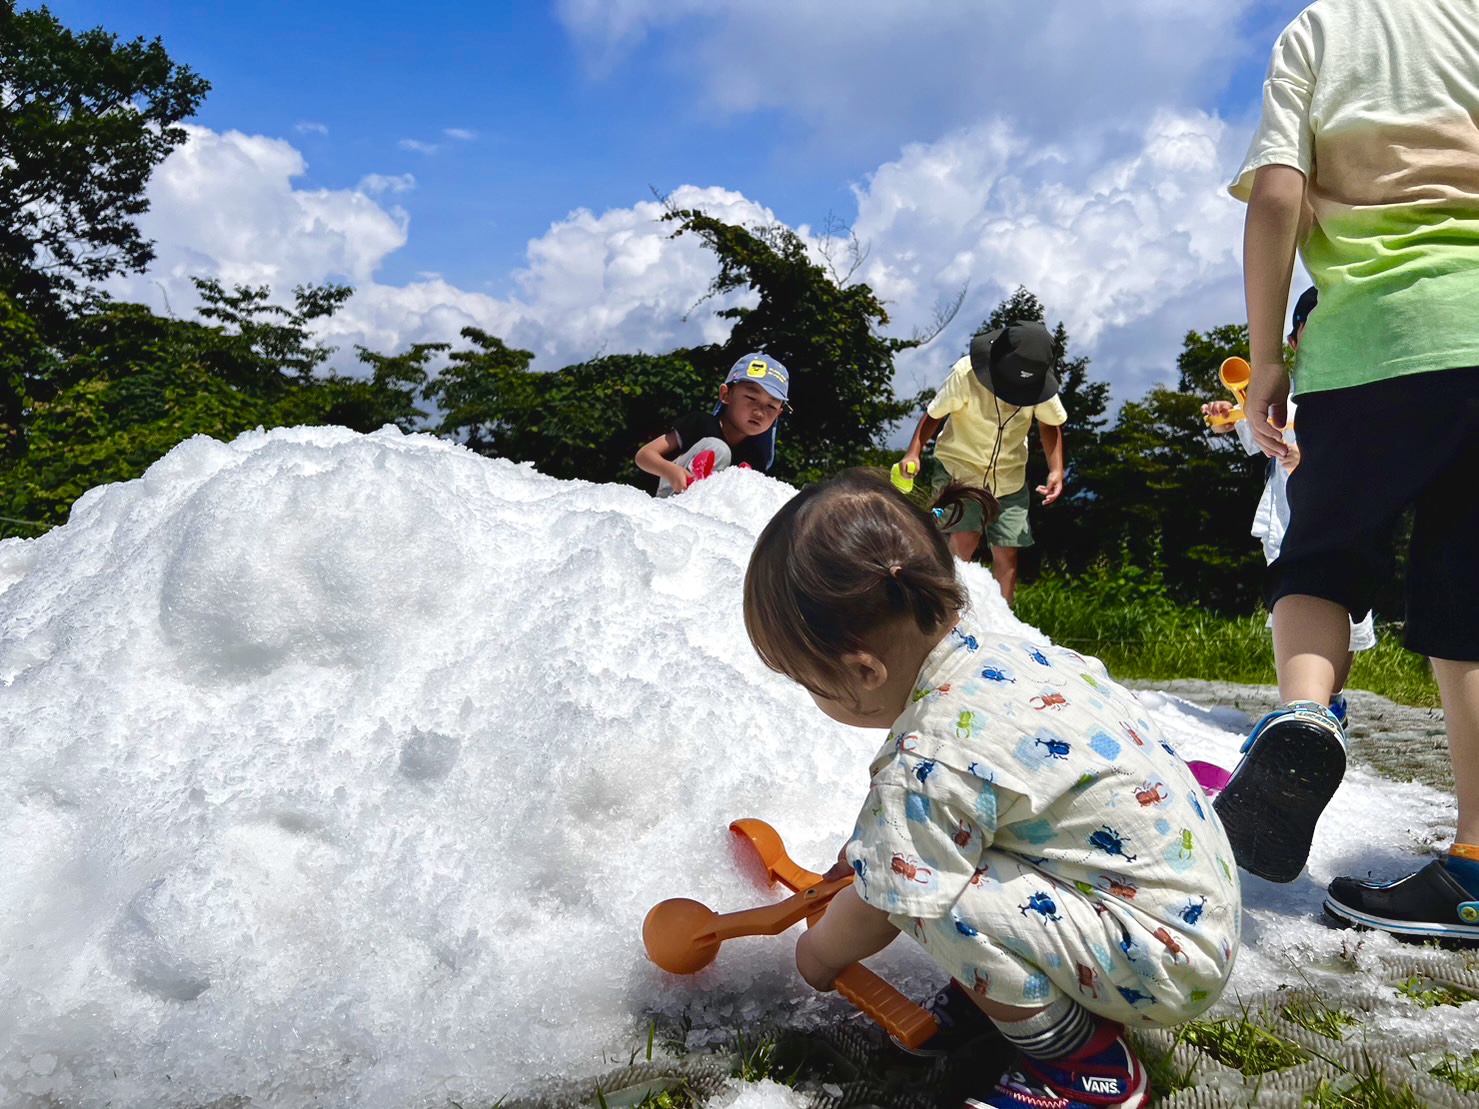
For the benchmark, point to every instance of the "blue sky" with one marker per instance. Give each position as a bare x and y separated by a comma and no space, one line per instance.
462,137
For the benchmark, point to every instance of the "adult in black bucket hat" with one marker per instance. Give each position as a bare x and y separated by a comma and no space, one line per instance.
983,414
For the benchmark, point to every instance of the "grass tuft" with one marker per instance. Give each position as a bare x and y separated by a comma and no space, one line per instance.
1242,1044
1428,993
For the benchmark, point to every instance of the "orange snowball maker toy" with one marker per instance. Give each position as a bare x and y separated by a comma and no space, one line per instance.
683,936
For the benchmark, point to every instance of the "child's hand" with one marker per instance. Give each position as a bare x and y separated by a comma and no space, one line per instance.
678,477
1267,407
1217,410
840,869
1053,489
1291,459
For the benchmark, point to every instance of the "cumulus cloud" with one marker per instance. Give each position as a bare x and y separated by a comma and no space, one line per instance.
308,127
461,134
1130,250
224,205
418,146
836,63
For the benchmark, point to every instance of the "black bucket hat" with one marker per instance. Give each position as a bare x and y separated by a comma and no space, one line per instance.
1016,362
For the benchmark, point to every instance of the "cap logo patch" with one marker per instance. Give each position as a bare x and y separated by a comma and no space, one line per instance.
758,369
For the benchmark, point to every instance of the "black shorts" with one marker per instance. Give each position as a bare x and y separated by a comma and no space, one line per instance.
1365,455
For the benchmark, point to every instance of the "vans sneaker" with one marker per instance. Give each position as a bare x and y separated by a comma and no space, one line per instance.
1292,765
1104,1074
962,1024
1431,904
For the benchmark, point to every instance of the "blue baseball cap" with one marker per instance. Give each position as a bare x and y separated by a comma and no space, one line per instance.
765,372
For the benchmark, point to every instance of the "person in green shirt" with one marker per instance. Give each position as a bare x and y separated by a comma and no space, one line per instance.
1367,160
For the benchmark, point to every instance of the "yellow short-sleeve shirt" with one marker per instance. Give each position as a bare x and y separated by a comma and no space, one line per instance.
969,441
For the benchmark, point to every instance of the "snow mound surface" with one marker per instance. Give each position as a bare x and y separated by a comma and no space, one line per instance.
342,769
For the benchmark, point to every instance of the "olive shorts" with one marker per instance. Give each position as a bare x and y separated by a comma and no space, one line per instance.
1010,529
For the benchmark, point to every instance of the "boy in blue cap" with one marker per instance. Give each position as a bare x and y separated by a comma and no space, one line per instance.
739,432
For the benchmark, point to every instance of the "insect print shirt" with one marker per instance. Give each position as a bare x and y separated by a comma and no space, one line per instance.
1015,746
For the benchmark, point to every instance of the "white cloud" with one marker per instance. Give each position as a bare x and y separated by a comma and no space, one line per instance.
461,134
1130,250
418,146
224,205
308,127
375,184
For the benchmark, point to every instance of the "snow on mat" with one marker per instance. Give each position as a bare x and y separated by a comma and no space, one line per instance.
343,769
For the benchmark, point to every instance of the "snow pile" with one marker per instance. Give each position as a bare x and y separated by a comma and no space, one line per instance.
343,769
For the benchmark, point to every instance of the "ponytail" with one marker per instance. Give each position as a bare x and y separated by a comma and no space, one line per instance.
953,498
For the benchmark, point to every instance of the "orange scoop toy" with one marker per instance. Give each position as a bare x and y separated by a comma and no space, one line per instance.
1235,374
683,936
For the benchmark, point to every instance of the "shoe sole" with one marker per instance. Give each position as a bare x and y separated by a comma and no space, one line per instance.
1274,799
1346,915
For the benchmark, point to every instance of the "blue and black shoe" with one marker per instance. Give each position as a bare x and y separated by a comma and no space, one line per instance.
1292,765
963,1025
1340,710
1429,905
1104,1074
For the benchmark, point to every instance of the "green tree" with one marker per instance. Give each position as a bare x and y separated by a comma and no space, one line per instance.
84,119
124,386
826,333
583,421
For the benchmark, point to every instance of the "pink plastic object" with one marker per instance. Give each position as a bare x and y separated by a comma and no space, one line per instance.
702,465
1212,779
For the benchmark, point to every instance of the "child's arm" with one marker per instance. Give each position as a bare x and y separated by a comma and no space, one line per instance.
927,429
849,931
1052,446
652,459
1270,236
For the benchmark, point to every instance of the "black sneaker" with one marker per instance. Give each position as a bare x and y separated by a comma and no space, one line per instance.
1430,904
1292,765
962,1024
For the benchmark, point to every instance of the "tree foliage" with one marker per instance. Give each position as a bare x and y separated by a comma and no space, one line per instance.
84,119
583,421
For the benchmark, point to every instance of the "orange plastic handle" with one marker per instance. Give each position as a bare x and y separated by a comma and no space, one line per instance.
899,1016
772,920
895,1013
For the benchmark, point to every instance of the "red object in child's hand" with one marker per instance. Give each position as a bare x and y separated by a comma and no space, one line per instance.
702,465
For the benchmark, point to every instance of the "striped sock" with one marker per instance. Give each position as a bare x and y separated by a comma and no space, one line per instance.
1052,1033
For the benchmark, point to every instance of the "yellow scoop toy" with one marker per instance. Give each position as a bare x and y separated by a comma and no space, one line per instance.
1235,374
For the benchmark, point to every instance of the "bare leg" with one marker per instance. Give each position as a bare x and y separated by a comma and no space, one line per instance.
1004,570
1311,638
1458,684
1343,672
963,544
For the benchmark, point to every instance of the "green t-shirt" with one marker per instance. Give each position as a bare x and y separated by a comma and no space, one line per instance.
1376,102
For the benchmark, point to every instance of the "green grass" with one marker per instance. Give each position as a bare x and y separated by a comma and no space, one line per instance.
1463,1074
1141,634
1429,994
1313,1015
1242,1044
